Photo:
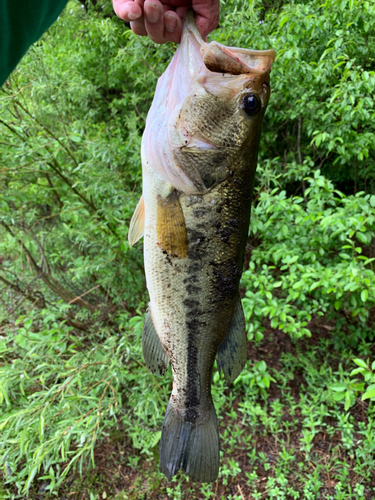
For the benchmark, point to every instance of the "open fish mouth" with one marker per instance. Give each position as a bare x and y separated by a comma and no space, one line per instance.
221,59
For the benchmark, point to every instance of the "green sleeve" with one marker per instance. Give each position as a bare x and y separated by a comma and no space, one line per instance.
23,22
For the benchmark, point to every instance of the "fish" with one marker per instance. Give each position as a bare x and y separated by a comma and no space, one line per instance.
199,156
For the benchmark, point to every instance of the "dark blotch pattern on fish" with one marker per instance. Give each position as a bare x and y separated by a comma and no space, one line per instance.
193,289
192,389
190,303
227,276
197,244
225,234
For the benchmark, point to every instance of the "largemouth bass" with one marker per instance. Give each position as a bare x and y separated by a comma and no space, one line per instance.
199,156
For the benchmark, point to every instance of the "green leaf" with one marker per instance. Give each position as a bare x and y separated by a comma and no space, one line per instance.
348,400
360,362
368,395
75,138
339,387
283,21
357,370
338,396
364,295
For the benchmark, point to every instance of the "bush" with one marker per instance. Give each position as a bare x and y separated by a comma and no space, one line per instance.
312,258
60,392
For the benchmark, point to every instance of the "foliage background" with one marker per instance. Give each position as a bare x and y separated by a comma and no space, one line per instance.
76,400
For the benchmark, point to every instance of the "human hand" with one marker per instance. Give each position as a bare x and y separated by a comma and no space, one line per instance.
161,20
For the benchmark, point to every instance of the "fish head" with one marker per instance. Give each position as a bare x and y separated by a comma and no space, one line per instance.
206,117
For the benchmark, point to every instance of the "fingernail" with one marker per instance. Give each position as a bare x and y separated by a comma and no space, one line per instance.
133,16
170,24
153,13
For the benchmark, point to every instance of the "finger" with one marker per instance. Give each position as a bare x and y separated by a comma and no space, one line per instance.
154,20
127,10
173,26
138,27
206,25
131,11
207,14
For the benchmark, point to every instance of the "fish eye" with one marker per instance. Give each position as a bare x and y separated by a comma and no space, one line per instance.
251,104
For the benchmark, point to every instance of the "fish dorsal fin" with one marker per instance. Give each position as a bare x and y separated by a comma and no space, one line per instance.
137,224
170,226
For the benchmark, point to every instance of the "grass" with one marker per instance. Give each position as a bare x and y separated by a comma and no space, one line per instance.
283,435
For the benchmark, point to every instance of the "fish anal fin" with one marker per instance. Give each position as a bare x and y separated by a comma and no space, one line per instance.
154,355
170,226
231,355
137,224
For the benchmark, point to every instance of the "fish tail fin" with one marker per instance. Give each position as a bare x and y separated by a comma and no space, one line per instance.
191,446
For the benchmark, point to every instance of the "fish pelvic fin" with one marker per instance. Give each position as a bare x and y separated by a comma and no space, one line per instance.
137,224
231,355
191,446
154,355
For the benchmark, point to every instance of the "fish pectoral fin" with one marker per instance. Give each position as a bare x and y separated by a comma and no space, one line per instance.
154,355
231,355
137,224
170,226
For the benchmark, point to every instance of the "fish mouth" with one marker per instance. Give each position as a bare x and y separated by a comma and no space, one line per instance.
218,58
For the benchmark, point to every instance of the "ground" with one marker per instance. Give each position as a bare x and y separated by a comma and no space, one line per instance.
291,441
